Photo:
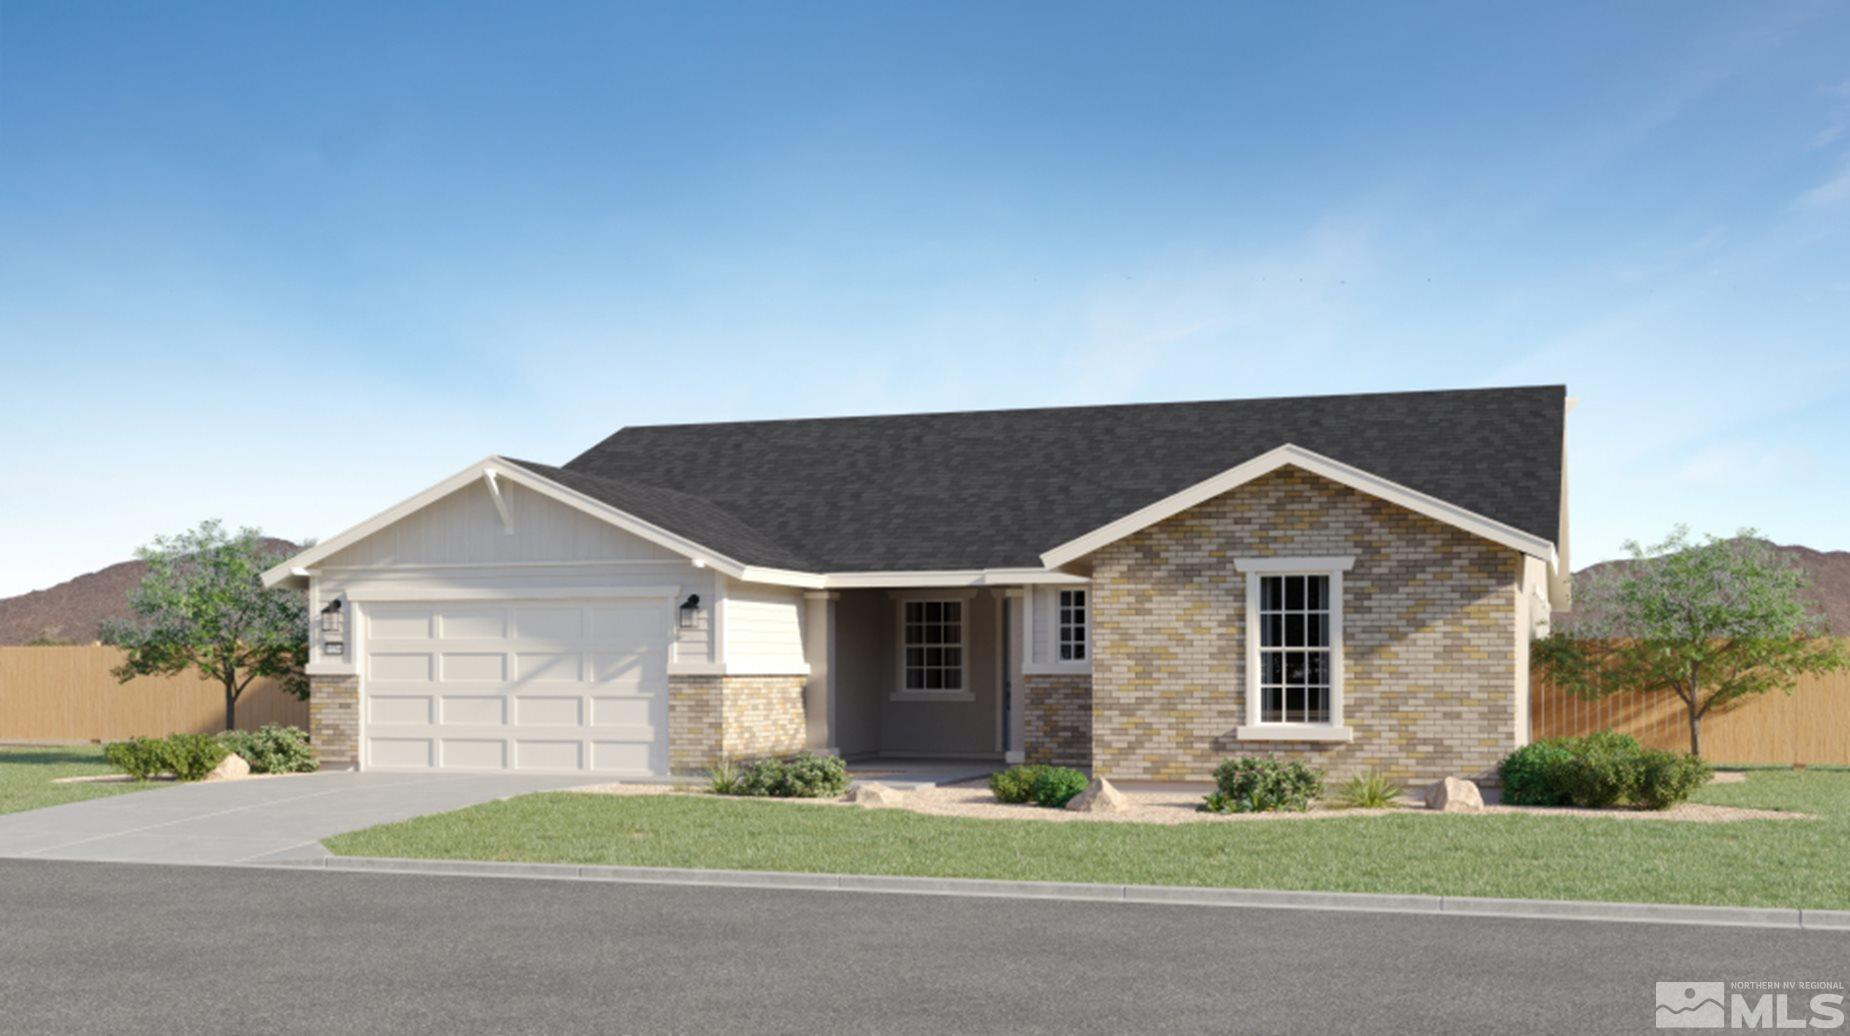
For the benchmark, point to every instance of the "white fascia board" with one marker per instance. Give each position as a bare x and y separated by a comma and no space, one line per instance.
1296,456
502,469
948,577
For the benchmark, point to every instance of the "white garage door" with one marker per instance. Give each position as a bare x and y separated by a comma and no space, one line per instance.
541,686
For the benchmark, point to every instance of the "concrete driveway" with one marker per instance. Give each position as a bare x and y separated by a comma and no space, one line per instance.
250,821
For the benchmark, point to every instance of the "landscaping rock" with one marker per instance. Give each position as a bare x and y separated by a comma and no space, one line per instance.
873,794
233,768
1454,795
1729,777
1099,797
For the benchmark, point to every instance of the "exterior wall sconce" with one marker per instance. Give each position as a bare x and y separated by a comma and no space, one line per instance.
332,629
689,611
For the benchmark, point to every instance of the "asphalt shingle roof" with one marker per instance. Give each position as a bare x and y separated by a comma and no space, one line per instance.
996,488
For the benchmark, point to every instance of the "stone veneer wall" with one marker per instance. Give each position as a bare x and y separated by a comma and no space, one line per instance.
1057,719
334,720
732,717
1429,613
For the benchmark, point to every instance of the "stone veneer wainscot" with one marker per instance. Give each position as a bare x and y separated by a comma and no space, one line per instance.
334,720
1057,719
711,718
1429,660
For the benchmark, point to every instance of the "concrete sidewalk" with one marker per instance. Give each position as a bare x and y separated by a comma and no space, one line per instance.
259,820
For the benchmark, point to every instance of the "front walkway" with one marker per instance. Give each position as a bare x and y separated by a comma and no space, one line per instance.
258,820
910,774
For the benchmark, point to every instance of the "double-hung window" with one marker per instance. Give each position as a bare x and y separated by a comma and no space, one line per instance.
1294,648
1072,626
933,635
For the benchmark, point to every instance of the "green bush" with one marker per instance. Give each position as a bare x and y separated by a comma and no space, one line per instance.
142,758
1599,771
801,776
1371,790
723,779
1530,774
1670,778
273,749
1055,786
195,755
1263,785
1015,784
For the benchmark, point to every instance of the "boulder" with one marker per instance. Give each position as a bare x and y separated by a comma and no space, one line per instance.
873,794
1454,795
1099,797
232,768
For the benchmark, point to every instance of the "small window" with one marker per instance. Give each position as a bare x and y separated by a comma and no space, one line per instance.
1072,626
1294,649
934,646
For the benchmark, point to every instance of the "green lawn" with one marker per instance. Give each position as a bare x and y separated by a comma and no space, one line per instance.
26,776
1790,863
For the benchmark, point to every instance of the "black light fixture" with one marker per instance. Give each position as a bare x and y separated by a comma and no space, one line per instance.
689,609
332,642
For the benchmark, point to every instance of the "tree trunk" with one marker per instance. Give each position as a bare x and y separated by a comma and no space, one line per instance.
1695,712
231,705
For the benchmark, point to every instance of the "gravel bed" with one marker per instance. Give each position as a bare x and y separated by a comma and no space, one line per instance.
1179,807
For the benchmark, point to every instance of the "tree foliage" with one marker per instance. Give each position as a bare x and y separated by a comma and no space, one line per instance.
203,606
1711,622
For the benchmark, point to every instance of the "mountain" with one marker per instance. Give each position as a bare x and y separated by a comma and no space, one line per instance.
72,610
1830,584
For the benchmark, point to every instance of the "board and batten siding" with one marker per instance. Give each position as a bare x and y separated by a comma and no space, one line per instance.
458,545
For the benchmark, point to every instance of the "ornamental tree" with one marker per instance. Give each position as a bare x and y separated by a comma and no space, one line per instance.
202,605
1711,622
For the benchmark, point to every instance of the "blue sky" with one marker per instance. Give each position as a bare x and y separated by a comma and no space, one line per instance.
287,264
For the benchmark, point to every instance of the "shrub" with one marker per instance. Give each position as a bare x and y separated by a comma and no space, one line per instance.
1015,784
1599,771
1055,786
1263,785
801,776
1531,774
1371,790
723,779
1669,778
273,749
194,755
142,758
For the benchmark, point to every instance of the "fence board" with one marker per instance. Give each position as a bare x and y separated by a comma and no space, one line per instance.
68,694
1811,725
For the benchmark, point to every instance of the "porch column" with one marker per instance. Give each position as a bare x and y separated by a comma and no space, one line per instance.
820,692
1015,601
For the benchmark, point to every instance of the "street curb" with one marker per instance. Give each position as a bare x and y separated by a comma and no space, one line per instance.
1173,895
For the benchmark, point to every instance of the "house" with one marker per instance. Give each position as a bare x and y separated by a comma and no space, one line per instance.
1142,590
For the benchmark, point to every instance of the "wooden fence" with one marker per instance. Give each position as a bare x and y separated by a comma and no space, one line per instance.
1811,725
68,694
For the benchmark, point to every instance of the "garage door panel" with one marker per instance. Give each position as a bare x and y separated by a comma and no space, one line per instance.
409,752
548,686
473,710
396,668
638,712
459,667
533,667
402,709
536,754
473,753
626,757
472,623
548,711
546,625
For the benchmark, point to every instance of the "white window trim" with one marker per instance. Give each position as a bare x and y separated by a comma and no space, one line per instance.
1060,625
1039,660
1255,728
963,693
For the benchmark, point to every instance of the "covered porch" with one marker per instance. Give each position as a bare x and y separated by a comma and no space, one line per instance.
917,680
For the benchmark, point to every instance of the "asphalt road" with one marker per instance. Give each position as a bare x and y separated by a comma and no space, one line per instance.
99,947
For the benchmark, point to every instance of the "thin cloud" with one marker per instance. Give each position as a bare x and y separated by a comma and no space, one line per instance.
1830,192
